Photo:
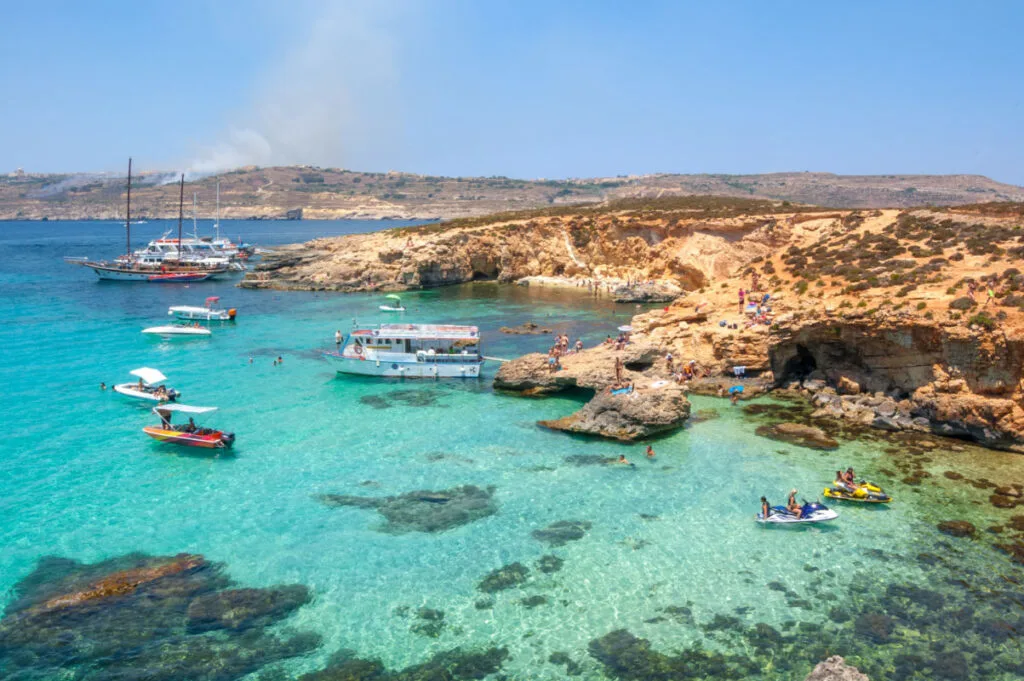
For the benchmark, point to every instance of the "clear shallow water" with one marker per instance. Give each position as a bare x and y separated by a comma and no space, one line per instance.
81,481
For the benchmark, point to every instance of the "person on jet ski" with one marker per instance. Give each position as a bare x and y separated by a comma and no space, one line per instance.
849,477
842,483
792,506
766,509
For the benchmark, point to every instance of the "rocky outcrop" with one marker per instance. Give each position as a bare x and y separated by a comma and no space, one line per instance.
653,404
835,669
798,434
664,292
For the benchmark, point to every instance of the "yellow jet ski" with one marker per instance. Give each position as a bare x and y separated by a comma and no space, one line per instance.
865,492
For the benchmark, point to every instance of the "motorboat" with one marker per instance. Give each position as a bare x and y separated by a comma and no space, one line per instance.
411,350
394,306
188,434
206,313
811,512
183,330
146,387
179,277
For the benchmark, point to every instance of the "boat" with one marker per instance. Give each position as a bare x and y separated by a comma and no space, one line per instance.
188,434
206,314
411,350
865,493
133,267
813,512
397,307
169,330
146,387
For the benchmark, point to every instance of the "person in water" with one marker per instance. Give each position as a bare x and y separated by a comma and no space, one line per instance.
766,509
792,506
650,452
622,459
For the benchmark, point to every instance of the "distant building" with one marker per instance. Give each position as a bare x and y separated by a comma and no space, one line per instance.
20,172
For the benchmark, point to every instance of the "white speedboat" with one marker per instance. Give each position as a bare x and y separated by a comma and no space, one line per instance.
811,512
192,313
181,330
394,306
146,387
411,350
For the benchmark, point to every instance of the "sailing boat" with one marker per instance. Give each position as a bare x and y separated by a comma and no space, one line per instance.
130,267
394,306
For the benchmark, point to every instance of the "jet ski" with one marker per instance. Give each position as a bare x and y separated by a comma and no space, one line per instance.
866,493
813,512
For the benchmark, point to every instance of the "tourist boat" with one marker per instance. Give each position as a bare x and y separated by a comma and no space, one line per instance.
146,387
188,434
134,267
180,330
193,313
411,350
396,307
812,512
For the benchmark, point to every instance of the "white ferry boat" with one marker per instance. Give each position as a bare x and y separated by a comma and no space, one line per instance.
411,350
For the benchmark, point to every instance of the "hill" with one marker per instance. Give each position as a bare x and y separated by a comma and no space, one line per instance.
328,193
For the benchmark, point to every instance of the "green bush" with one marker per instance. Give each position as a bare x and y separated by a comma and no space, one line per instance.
922,305
862,303
983,320
801,287
963,303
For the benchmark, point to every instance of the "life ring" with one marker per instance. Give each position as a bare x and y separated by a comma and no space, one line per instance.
358,349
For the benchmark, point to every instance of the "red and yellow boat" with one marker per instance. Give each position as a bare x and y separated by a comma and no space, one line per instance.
188,434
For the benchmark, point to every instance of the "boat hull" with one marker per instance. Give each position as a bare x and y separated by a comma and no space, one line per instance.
177,331
395,369
216,440
131,390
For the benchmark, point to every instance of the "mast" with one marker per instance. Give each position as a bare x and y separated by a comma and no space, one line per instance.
216,225
181,208
195,232
128,214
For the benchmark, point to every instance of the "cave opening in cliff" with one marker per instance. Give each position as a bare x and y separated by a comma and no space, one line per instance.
799,365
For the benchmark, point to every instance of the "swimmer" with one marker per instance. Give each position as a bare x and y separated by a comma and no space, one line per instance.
279,360
650,452
103,386
622,459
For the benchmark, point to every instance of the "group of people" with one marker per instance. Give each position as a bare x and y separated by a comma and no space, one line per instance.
619,342
846,480
560,349
649,454
686,371
791,505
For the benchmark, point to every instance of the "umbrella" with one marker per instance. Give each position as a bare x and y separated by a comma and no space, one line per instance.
393,297
625,329
736,389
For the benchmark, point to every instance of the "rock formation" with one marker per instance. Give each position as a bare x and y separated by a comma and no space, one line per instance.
835,669
424,510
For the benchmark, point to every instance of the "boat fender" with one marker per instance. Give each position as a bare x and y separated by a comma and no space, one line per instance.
231,313
358,350
378,362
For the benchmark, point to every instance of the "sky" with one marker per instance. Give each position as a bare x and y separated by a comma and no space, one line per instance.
524,88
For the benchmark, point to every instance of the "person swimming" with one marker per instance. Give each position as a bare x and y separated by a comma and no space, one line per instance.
622,459
650,452
792,506
766,509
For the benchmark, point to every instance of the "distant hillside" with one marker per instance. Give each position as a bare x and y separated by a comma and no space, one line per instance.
330,193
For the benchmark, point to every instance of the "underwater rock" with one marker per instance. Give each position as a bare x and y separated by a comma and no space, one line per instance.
505,577
798,434
589,460
562,532
375,402
874,626
526,328
450,665
431,623
239,609
626,657
572,668
835,669
957,528
532,602
1002,501
424,510
548,564
138,616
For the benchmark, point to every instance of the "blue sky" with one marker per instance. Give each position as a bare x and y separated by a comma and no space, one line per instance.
524,89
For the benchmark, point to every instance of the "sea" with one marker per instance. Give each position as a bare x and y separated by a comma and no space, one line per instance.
663,572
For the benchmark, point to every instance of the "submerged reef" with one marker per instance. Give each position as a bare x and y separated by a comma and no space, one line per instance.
562,532
161,618
450,665
424,510
798,434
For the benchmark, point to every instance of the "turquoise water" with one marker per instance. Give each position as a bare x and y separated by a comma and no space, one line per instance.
82,481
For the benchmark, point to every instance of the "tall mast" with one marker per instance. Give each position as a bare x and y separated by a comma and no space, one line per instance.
195,232
181,209
128,214
216,225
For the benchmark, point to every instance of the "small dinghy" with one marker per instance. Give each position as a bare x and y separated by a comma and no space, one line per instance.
188,434
395,306
179,277
191,313
812,512
179,330
146,387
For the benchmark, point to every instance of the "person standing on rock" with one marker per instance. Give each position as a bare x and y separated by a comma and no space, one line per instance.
743,295
650,452
618,370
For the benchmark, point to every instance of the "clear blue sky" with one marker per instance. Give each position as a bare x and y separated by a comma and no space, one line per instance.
525,88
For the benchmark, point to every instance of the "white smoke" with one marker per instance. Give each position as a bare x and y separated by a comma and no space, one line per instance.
331,97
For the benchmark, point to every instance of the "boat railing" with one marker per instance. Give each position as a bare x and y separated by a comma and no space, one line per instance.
445,358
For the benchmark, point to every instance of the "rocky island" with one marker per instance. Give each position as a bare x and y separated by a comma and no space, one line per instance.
896,319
